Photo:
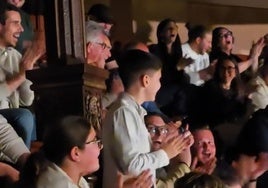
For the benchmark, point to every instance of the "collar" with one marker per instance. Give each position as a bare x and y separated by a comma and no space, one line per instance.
131,101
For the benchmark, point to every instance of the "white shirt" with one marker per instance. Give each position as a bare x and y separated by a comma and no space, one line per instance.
10,60
201,61
260,96
127,143
55,177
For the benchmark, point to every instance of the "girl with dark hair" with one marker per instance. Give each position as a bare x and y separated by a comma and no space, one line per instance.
70,151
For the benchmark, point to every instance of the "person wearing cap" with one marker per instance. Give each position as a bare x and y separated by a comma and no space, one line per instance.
251,158
100,13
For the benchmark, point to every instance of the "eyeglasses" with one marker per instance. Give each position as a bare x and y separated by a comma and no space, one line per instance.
96,141
228,68
225,35
103,45
160,130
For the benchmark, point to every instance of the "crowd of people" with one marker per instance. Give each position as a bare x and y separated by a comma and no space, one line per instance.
174,115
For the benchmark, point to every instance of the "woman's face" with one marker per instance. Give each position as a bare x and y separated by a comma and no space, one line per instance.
170,33
226,40
89,160
227,71
17,3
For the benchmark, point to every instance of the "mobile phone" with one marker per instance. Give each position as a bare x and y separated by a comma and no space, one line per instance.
182,128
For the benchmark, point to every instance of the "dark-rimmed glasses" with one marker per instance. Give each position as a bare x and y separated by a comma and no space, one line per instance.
227,34
159,130
228,68
103,45
96,141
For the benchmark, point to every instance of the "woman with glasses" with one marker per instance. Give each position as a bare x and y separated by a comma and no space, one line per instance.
223,43
70,151
224,103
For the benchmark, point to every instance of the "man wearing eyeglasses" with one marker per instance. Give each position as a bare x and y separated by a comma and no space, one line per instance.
179,166
98,45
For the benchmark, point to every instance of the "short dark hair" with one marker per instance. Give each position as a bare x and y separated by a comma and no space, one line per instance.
4,7
197,31
65,134
134,63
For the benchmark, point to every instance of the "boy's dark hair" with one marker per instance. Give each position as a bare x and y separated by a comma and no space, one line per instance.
134,63
4,7
197,31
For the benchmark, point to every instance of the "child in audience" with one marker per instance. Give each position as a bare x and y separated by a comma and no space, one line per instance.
127,144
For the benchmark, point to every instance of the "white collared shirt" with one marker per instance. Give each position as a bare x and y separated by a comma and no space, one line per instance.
127,143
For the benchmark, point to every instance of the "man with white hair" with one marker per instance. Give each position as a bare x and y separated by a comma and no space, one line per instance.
98,45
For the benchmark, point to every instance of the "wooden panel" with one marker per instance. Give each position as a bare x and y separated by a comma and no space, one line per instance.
58,92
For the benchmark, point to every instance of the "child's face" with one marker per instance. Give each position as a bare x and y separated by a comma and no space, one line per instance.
154,84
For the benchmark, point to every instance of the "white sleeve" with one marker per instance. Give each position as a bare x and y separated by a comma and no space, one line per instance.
131,143
259,100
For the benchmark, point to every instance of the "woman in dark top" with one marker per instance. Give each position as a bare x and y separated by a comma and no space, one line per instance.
224,96
168,49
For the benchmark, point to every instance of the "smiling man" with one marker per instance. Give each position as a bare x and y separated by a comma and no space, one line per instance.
14,87
98,45
203,151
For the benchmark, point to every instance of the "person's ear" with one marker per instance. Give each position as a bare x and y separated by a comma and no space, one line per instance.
198,40
145,80
75,154
89,47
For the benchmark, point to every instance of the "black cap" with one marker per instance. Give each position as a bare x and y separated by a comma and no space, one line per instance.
100,13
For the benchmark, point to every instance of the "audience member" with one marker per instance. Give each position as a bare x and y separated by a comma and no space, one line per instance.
260,96
203,151
126,141
70,151
31,39
250,155
168,49
223,43
199,43
179,166
224,102
15,88
98,45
